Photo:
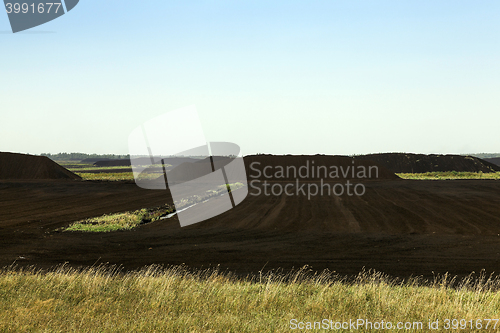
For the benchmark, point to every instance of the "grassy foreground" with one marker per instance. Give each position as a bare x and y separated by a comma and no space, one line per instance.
179,300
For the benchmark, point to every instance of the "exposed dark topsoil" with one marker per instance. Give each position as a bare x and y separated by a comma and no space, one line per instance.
388,163
21,166
400,227
288,167
93,160
419,163
495,160
255,165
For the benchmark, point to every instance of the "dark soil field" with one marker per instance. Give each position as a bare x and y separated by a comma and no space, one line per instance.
400,227
494,160
419,163
20,166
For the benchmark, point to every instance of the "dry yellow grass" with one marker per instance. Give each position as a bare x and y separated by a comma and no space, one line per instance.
178,300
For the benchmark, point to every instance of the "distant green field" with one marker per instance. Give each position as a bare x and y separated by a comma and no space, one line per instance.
119,176
449,175
107,173
80,168
116,176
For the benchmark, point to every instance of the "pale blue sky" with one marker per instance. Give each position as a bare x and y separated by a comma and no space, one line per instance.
300,77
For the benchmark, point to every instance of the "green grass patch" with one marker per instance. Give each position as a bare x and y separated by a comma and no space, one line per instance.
449,175
120,221
131,219
177,299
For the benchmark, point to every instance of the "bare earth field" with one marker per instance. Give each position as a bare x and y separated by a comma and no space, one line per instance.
400,227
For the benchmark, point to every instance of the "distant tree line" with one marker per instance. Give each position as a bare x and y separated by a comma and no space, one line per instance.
82,156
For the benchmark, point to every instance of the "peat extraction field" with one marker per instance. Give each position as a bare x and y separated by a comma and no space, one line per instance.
399,227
